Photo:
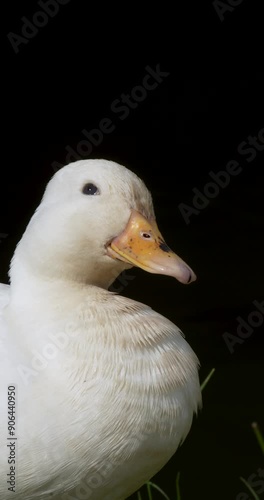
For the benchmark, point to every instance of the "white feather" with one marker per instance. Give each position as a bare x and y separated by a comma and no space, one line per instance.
106,388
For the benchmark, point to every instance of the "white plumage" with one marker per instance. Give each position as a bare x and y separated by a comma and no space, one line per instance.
106,387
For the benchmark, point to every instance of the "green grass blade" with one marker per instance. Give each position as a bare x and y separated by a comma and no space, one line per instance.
155,487
205,382
149,491
139,497
178,493
258,434
253,493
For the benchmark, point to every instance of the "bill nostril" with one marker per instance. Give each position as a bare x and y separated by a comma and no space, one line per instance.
145,235
163,246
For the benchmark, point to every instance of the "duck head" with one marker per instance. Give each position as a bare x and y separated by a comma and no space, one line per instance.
95,220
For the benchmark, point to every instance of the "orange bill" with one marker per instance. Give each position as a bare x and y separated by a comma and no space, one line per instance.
142,245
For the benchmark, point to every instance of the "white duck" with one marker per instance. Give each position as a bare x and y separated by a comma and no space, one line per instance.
106,388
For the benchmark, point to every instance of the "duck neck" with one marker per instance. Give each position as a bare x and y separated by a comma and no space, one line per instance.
31,276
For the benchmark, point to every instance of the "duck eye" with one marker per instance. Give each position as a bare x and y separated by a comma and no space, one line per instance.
90,189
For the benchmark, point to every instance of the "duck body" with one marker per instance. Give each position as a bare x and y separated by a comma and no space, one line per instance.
106,388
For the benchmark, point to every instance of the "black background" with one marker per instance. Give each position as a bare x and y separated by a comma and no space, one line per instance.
64,80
